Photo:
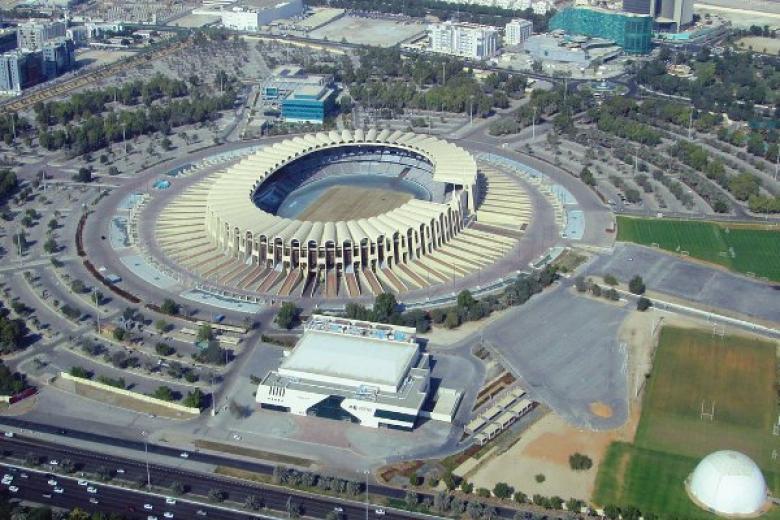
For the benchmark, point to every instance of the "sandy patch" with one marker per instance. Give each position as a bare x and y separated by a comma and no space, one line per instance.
545,448
600,409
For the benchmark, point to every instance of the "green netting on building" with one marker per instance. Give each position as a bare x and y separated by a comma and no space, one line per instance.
630,31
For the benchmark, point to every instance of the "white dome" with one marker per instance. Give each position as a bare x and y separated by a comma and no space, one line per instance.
729,483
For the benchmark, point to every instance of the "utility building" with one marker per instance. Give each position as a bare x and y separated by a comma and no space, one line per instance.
366,373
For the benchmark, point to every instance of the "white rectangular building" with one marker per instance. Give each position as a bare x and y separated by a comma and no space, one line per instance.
517,31
463,39
367,373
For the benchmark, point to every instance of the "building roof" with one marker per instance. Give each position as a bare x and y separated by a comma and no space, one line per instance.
350,360
728,483
230,191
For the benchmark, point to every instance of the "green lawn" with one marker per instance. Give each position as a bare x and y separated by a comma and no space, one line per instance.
738,374
653,481
749,249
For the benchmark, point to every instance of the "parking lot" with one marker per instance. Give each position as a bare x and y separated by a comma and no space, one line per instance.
691,281
566,353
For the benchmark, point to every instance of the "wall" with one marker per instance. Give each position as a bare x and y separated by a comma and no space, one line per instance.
128,393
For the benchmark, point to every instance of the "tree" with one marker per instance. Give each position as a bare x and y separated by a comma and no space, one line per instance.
642,304
216,495
636,285
176,487
287,315
539,477
166,144
385,307
84,175
119,334
253,502
77,286
503,490
411,498
212,354
581,284
194,399
169,307
164,393
483,492
587,177
466,487
205,333
520,497
97,297
580,462
452,319
610,280
80,372
163,349
465,299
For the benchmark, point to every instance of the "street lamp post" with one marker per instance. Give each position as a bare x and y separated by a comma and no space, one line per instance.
365,472
146,456
97,307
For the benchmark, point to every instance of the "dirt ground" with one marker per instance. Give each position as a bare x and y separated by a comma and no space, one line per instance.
348,203
547,444
760,44
545,449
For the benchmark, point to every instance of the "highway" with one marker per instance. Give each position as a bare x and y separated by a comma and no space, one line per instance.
109,498
113,498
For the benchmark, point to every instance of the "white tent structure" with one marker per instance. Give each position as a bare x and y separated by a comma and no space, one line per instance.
728,483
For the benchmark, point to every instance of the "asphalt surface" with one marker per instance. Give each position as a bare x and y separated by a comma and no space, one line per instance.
196,485
688,280
565,351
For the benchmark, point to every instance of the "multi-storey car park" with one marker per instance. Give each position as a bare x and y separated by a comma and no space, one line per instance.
356,212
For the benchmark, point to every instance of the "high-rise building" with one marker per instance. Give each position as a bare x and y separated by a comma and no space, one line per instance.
672,15
633,32
58,57
669,15
19,69
517,31
33,35
464,39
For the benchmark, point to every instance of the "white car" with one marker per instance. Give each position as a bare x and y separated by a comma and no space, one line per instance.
83,482
92,490
201,512
338,509
52,482
9,434
13,489
59,490
93,500
8,477
168,514
150,517
184,455
380,512
24,475
148,507
170,500
54,462
46,495
120,471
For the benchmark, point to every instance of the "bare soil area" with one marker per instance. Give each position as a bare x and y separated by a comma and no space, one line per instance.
349,203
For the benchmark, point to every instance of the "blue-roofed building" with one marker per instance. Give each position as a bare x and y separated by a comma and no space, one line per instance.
308,104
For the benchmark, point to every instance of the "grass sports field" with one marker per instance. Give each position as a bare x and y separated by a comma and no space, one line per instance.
744,248
348,203
692,367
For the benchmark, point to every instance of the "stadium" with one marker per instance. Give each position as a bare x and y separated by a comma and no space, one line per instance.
340,213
